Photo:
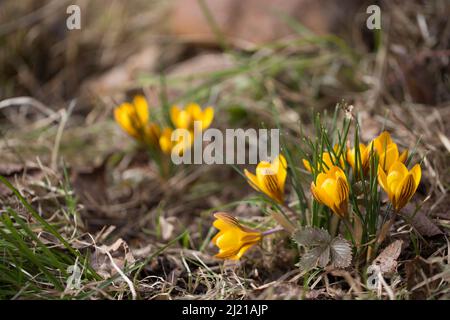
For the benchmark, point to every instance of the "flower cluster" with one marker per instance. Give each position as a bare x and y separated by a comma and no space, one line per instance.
331,186
333,173
134,118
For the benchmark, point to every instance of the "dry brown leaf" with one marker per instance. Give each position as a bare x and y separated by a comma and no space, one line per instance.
119,251
386,262
8,169
421,222
90,185
167,228
418,270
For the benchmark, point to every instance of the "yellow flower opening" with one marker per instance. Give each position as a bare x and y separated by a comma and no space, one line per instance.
133,118
387,151
399,183
185,118
331,189
270,178
179,146
364,152
233,239
328,160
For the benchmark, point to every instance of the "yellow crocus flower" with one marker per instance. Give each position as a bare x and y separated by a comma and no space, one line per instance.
233,239
399,183
331,189
387,151
364,152
167,145
270,178
185,118
165,141
328,161
134,120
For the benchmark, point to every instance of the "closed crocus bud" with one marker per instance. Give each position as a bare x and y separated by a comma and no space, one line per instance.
399,183
331,189
270,178
233,239
364,152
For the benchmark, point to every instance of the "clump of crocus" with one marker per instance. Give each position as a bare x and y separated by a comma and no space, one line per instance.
233,239
331,189
387,151
134,119
327,160
186,118
270,178
399,183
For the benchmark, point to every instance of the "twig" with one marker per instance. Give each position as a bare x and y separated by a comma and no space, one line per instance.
20,101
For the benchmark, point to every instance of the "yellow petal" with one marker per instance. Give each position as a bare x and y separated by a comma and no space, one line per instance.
321,177
122,117
351,155
242,251
329,188
382,142
194,110
404,192
165,140
416,171
338,172
321,195
326,163
253,181
382,179
396,175
403,156
307,165
279,166
175,115
270,186
140,103
342,191
388,158
233,240
207,118
229,239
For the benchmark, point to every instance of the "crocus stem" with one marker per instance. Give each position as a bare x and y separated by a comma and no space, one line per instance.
271,231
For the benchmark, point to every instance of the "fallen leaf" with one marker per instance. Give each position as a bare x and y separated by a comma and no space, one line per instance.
119,251
90,185
167,228
418,270
386,262
421,222
8,169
